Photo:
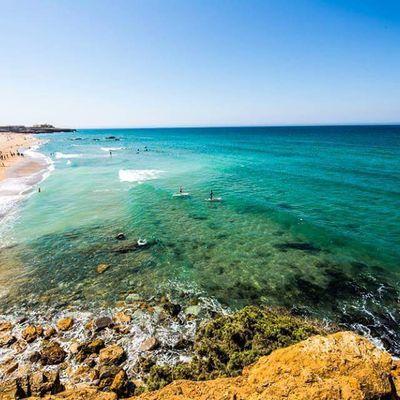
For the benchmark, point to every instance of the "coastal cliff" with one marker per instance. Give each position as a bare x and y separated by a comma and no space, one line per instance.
255,353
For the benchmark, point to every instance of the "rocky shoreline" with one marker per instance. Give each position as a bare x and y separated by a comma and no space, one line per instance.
121,354
36,129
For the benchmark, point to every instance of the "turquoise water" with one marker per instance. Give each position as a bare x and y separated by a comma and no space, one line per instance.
310,220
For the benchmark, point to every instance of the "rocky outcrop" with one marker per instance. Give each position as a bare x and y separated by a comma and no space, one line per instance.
341,366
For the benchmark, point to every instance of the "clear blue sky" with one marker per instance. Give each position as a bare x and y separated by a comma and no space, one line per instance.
94,63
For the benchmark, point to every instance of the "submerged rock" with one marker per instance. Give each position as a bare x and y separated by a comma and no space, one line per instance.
297,246
102,268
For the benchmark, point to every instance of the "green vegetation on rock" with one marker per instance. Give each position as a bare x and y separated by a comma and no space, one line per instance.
226,344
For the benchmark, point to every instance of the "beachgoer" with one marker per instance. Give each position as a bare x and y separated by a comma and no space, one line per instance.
39,190
110,153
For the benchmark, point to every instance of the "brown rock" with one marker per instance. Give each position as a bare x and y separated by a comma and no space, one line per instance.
16,388
65,324
395,375
5,326
43,382
86,349
121,384
149,344
121,318
52,353
20,346
6,339
112,354
83,373
342,366
49,332
31,332
102,323
82,394
102,268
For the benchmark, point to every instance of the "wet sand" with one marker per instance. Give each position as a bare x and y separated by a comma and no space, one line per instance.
13,163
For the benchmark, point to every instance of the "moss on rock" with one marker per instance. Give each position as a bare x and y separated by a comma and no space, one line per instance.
224,345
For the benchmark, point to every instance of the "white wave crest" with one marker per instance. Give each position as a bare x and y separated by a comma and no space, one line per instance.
112,148
62,155
138,175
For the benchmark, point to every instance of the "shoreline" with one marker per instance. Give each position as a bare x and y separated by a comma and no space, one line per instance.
13,149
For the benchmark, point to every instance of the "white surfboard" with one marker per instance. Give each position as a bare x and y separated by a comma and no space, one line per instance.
183,194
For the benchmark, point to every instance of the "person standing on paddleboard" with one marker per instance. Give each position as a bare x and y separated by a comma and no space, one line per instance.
211,195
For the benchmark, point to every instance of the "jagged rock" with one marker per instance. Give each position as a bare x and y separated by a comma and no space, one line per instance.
112,354
34,357
102,268
122,318
7,340
16,388
19,346
52,353
102,323
83,373
31,332
43,382
107,374
65,324
341,366
5,326
149,344
121,385
88,348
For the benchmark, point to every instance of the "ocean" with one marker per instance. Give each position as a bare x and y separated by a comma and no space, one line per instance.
309,220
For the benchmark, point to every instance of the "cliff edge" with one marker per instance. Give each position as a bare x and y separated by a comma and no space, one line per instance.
340,366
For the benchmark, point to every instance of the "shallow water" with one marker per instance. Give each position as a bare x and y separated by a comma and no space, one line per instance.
309,220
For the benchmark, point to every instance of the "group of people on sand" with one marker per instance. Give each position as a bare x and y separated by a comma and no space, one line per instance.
10,154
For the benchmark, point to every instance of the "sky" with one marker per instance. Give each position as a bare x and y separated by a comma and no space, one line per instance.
145,63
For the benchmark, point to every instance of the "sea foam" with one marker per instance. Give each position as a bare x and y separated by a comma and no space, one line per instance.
59,155
138,175
112,148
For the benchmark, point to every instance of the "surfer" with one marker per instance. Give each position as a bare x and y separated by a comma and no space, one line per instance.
180,189
211,195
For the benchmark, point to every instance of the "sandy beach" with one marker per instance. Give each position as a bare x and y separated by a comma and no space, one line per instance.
13,162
